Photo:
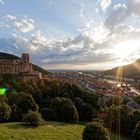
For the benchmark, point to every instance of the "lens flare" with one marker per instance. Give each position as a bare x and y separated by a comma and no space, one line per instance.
2,91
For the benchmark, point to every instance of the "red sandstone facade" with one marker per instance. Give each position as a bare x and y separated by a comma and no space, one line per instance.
21,67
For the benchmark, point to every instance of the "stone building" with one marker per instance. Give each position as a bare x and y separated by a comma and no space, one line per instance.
21,67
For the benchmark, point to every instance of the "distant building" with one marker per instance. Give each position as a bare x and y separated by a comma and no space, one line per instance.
21,67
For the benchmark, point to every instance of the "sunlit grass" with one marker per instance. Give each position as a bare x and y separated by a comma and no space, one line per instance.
49,131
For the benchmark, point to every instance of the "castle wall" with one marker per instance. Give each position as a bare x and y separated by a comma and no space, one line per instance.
21,67
15,66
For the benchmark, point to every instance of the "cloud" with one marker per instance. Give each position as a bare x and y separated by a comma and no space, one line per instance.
9,17
93,46
134,7
2,2
105,4
25,25
3,25
82,10
96,32
119,14
81,50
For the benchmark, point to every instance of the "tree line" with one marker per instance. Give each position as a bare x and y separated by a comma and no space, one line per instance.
38,101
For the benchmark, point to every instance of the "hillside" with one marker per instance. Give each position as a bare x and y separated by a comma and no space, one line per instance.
13,57
129,71
50,131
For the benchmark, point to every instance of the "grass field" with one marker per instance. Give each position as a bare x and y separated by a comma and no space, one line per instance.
50,131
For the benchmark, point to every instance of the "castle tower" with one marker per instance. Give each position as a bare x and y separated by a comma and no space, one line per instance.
25,58
26,65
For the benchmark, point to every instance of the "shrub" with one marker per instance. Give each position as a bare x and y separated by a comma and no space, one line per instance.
5,111
95,131
33,118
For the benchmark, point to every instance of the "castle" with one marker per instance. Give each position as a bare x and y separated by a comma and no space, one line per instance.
21,67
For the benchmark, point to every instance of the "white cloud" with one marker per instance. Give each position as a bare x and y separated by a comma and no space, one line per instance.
94,44
134,7
105,4
2,25
118,6
119,14
82,10
81,50
9,17
96,32
2,2
25,25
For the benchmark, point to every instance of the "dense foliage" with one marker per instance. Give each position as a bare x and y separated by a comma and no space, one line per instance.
61,101
95,131
120,119
137,131
5,111
33,118
55,100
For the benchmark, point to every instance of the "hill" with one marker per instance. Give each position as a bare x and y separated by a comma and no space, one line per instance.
129,71
13,57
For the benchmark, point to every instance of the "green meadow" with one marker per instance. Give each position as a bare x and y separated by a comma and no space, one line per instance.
49,131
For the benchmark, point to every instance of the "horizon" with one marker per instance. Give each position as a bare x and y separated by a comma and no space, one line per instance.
72,34
76,69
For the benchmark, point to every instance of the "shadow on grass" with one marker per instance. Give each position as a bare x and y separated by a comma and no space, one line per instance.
20,126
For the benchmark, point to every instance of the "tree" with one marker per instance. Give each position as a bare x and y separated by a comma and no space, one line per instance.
15,113
48,114
93,99
115,100
5,111
95,131
85,110
120,119
112,118
86,113
137,99
26,103
33,118
53,89
29,89
137,131
65,109
38,97
3,99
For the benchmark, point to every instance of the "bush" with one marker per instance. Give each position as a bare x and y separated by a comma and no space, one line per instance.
137,131
5,111
33,118
95,131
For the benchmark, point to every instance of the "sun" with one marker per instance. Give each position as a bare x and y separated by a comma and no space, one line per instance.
127,48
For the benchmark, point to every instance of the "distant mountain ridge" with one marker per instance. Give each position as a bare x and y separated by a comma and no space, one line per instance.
129,71
13,57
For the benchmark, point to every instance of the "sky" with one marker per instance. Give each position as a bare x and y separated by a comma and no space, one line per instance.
72,34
